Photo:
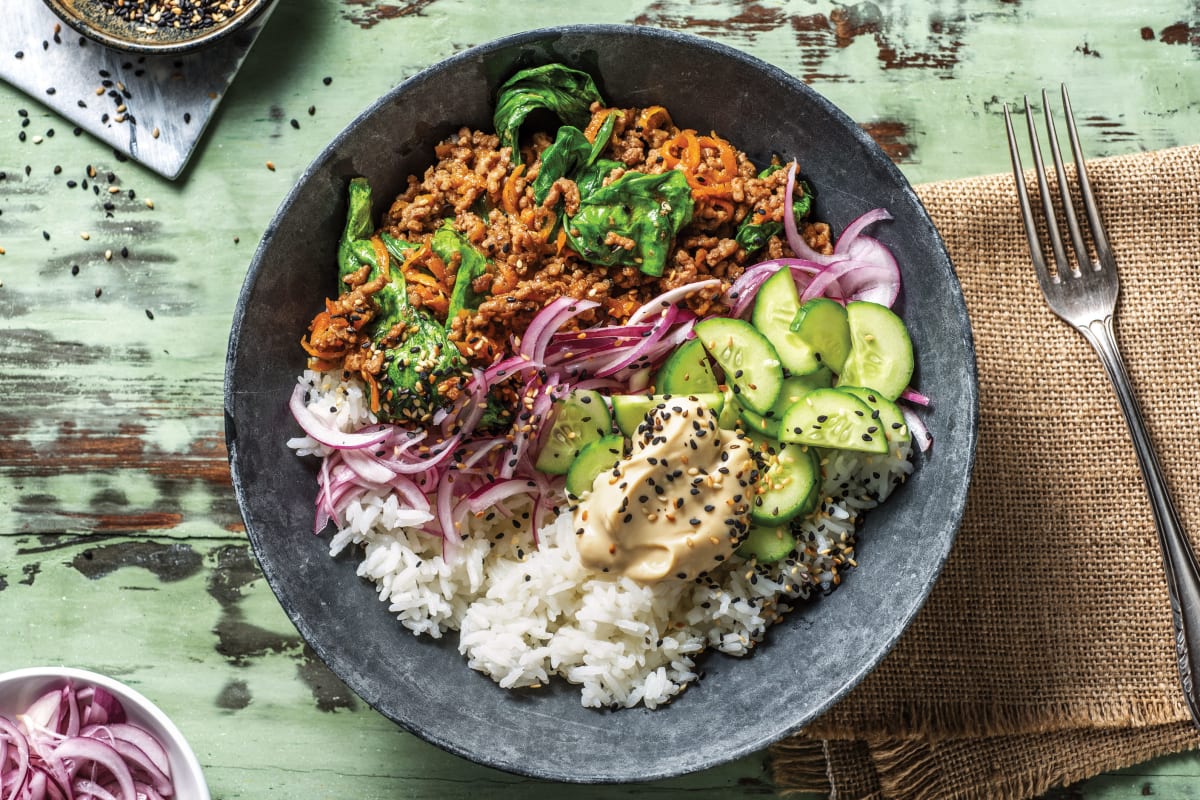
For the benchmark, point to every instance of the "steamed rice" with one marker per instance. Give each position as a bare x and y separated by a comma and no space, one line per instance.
525,613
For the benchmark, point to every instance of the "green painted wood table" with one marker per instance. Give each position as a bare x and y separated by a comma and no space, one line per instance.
121,547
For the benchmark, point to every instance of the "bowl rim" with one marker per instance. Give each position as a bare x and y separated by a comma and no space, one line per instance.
126,693
209,37
970,412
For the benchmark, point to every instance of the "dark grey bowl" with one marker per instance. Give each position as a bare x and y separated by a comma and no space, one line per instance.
811,659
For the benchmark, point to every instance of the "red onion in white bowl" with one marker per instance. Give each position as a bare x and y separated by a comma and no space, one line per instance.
76,734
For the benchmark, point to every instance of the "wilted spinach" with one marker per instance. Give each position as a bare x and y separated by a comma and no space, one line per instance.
570,154
753,235
446,244
565,91
424,357
646,209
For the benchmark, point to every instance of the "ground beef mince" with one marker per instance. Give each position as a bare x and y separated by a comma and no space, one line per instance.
488,194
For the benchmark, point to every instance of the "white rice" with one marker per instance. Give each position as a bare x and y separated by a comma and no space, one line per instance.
526,613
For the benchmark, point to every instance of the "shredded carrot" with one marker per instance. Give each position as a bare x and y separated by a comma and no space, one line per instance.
509,194
654,117
381,255
596,123
374,384
560,242
687,151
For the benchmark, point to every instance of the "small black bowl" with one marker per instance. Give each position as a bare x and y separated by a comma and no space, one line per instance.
810,659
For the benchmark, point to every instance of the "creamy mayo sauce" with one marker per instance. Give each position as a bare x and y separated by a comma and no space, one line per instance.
677,507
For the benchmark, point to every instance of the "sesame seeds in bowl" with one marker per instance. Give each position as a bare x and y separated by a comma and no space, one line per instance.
157,26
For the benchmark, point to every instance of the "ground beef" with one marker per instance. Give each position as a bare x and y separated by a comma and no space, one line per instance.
489,196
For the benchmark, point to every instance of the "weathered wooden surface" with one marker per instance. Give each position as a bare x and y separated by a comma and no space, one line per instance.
121,549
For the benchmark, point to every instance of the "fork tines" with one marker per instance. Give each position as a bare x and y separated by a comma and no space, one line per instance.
1062,262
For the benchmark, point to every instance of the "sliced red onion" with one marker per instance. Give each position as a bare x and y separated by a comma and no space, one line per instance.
794,239
318,430
78,749
368,467
881,284
913,396
445,517
490,495
412,494
743,291
843,272
11,733
139,761
916,428
46,711
147,792
850,235
670,298
138,737
547,322
91,789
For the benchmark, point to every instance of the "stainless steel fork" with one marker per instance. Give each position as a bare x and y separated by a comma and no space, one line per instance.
1084,294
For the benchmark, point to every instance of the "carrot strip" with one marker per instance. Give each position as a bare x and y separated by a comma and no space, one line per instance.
509,194
654,117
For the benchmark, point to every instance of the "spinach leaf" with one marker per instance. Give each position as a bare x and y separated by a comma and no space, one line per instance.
754,236
571,153
647,209
354,249
591,177
447,243
565,91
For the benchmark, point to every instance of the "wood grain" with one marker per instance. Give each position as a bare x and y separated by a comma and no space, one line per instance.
121,548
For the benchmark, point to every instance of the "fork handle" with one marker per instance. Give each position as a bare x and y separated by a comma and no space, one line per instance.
1179,561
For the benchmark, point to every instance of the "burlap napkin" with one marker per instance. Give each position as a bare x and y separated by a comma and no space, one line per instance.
1044,654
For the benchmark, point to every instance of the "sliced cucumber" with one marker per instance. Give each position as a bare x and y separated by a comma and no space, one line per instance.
881,354
630,410
794,387
751,365
775,306
786,487
767,544
593,459
884,410
832,418
686,371
727,419
823,325
581,418
757,423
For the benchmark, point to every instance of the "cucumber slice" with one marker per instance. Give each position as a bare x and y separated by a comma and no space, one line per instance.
785,488
832,418
751,365
794,387
630,410
823,325
767,544
775,306
767,427
597,457
881,354
727,418
884,410
582,418
686,371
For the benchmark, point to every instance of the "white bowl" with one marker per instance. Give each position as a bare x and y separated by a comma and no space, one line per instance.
21,687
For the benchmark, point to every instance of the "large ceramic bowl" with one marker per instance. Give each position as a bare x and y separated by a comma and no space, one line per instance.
812,658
